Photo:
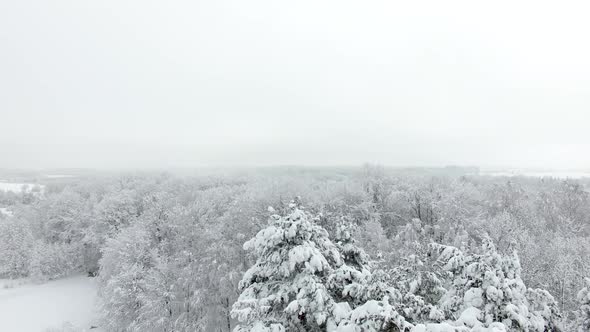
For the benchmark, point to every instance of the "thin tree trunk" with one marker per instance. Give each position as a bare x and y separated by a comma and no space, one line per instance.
228,314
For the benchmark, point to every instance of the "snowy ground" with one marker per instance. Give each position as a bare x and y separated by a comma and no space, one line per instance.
538,174
54,305
58,176
5,211
18,187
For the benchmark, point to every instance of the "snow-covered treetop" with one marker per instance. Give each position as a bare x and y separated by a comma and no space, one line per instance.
584,312
487,289
285,287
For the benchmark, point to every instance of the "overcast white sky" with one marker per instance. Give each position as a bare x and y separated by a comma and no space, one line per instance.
189,83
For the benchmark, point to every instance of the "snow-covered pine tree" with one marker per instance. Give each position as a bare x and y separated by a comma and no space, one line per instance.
301,282
348,281
285,289
413,274
420,288
373,316
366,301
544,310
584,311
487,289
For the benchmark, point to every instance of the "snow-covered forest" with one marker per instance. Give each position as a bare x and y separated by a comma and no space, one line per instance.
310,249
294,166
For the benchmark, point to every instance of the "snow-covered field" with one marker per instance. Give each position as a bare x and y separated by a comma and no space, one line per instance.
5,211
68,302
17,187
58,176
557,174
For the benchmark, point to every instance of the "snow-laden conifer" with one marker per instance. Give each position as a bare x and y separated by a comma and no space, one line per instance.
487,290
584,312
285,289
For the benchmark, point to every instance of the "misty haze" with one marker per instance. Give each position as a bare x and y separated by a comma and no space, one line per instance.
268,166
